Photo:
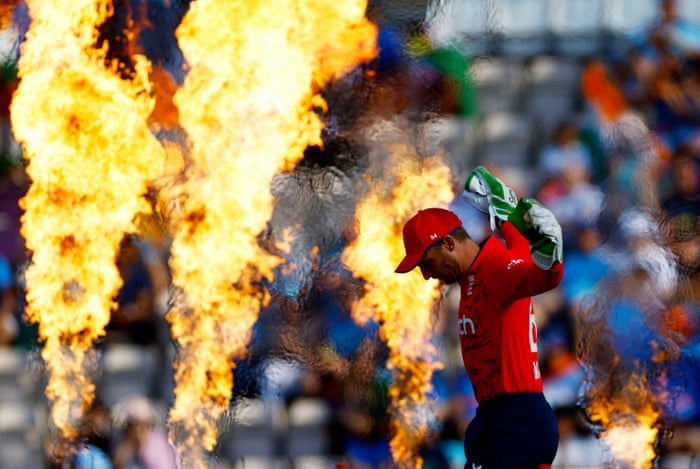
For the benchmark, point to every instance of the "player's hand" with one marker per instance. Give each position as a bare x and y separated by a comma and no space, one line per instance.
550,248
489,195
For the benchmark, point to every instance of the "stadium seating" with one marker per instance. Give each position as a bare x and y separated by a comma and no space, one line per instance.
307,433
21,411
521,27
498,82
503,138
127,369
464,23
253,432
625,17
577,26
260,462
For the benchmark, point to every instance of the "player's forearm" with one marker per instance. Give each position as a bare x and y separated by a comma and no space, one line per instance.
533,280
524,277
515,240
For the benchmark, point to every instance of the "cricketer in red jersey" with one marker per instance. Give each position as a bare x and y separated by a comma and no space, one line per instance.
514,425
498,333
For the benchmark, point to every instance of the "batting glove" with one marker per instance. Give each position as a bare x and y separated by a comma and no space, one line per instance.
545,236
490,195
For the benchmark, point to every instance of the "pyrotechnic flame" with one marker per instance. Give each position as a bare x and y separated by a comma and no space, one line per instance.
623,396
623,440
247,104
91,156
7,10
625,417
401,304
629,423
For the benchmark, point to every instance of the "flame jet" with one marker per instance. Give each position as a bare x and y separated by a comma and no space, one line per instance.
91,155
7,9
402,304
625,347
248,106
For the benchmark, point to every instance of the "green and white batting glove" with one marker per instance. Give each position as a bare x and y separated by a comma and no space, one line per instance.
489,195
539,225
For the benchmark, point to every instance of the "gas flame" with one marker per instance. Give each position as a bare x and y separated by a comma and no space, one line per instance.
623,397
7,10
91,155
629,423
622,441
625,392
248,105
402,304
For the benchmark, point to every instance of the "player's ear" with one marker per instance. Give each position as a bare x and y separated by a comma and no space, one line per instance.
449,242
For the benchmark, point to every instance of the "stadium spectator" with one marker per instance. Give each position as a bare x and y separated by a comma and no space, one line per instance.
587,262
563,150
142,440
9,326
94,450
681,207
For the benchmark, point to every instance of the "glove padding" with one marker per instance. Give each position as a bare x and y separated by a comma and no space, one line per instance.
548,249
490,195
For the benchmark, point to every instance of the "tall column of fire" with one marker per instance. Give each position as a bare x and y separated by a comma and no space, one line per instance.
402,304
83,129
248,105
626,387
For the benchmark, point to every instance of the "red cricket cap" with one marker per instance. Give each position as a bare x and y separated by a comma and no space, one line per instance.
426,228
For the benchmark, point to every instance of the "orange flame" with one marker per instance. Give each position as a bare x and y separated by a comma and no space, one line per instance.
91,156
400,303
7,10
247,104
630,422
623,399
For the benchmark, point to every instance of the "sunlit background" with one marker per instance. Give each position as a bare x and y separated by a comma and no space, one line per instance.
201,205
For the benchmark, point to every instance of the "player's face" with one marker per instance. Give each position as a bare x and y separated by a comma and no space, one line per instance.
438,263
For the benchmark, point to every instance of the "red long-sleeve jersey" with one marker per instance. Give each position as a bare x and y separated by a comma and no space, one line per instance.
497,329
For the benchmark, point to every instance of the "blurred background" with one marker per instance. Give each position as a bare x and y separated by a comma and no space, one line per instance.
592,106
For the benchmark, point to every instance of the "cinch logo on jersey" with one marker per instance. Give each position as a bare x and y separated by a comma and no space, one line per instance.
463,323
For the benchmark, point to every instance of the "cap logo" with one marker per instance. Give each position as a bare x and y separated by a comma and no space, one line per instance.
433,236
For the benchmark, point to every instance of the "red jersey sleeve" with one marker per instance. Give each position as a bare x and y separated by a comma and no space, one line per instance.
524,278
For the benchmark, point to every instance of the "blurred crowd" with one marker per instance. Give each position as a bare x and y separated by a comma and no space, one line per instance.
622,174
